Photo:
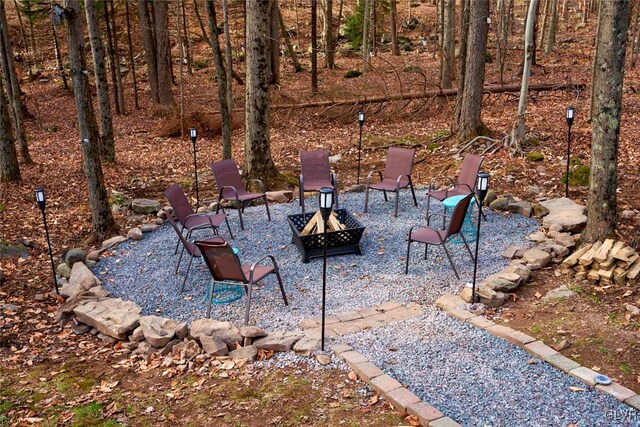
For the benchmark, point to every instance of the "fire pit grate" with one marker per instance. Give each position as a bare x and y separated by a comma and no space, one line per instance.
339,242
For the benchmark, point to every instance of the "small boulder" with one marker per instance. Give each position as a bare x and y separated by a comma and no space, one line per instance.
137,335
501,285
309,343
491,196
112,316
538,211
565,239
214,346
83,277
226,331
248,353
521,207
282,196
536,257
135,234
75,255
501,203
510,252
566,213
278,341
158,331
94,255
148,228
113,241
560,250
633,310
168,348
537,236
521,270
145,206
186,350
560,292
63,270
252,332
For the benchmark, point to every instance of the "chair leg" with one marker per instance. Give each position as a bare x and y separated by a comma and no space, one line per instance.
413,193
186,274
428,203
366,199
179,259
395,212
229,228
302,201
284,296
248,305
451,262
240,209
335,192
384,192
266,205
211,289
406,264
178,242
426,249
467,246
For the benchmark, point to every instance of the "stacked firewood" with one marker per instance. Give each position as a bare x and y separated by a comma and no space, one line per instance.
605,262
316,224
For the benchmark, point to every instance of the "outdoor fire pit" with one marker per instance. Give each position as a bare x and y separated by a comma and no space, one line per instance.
339,242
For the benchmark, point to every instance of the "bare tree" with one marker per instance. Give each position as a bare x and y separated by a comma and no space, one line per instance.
605,125
258,162
553,24
329,61
163,51
447,42
149,43
132,62
395,49
107,143
9,167
314,46
103,224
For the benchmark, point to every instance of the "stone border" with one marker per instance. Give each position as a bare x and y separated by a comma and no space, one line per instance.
451,303
405,402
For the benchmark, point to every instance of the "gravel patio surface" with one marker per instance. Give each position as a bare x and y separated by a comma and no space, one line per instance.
143,271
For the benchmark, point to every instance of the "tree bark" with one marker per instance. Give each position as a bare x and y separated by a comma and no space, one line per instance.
448,43
258,162
314,46
395,48
227,55
471,98
116,57
103,224
222,80
148,40
56,49
132,62
329,61
605,126
366,17
553,24
107,144
462,61
200,23
163,52
287,40
112,59
274,45
502,35
13,87
9,167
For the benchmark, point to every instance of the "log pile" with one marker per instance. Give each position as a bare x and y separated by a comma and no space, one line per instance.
605,262
316,224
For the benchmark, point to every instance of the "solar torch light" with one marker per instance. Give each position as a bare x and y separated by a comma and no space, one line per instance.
361,123
194,137
482,186
326,205
570,113
42,204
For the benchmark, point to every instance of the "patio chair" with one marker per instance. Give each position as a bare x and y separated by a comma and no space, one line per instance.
432,236
189,219
465,184
229,183
225,268
397,175
315,173
190,247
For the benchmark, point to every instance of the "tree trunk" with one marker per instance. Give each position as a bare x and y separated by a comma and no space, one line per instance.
274,45
395,48
112,59
222,80
178,20
448,43
314,46
186,41
23,34
329,61
56,49
366,17
258,162
227,55
287,40
163,51
13,87
462,61
116,57
200,23
553,24
9,167
149,42
471,99
107,144
502,35
543,29
518,130
132,62
605,125
103,224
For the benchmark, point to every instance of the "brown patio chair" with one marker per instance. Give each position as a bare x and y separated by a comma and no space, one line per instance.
315,173
397,175
225,268
190,247
432,236
229,183
188,218
465,184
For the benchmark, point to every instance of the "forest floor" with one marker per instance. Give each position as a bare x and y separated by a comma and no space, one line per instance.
40,377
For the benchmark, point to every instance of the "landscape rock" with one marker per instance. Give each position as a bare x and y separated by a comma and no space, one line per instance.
113,241
8,250
112,316
511,252
94,255
536,257
226,331
278,341
75,255
521,207
158,331
565,239
566,213
323,359
501,203
560,292
137,335
186,350
486,295
143,349
560,250
214,346
635,311
83,277
145,206
169,347
80,328
537,236
252,332
356,188
306,345
63,270
282,196
538,211
248,353
521,270
135,234
148,228
502,285
491,196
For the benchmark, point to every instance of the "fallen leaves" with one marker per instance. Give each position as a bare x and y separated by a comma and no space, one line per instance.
577,389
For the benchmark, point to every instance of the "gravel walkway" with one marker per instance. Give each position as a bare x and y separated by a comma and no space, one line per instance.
480,380
144,271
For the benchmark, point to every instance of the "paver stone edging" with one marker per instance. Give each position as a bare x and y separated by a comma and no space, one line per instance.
451,305
392,390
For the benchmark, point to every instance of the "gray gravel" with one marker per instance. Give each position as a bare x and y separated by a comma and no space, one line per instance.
143,271
478,379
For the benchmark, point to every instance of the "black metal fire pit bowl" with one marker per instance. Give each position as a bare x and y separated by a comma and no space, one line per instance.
340,242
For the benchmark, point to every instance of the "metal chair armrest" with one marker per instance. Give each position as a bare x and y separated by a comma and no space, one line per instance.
255,264
230,187
400,178
371,175
260,184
